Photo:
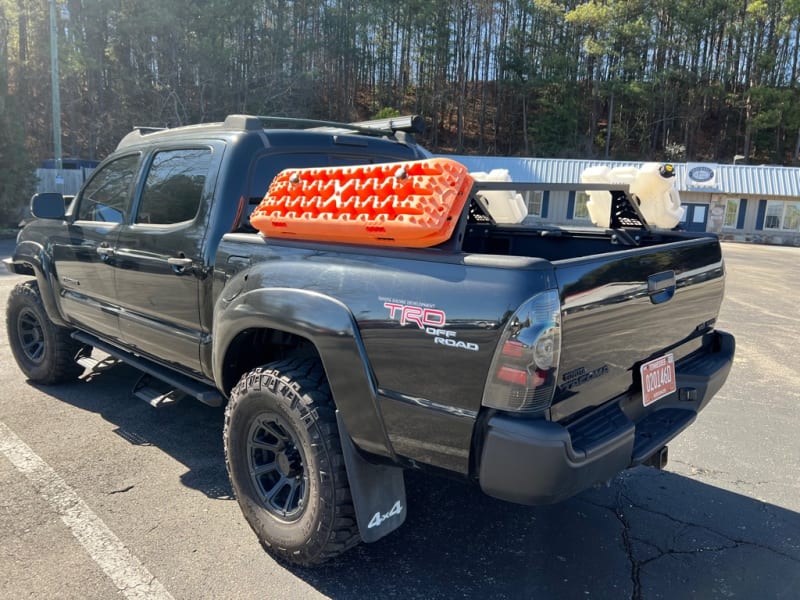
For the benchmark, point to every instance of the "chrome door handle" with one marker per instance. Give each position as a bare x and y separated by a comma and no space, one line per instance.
180,262
105,252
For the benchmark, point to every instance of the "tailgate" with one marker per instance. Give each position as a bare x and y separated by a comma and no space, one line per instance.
622,309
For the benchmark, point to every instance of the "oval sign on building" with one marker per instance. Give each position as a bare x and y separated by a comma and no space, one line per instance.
701,174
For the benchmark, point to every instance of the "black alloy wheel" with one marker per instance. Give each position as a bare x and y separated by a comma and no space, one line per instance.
277,467
31,335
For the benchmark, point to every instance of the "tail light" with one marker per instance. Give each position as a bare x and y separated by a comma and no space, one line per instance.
524,369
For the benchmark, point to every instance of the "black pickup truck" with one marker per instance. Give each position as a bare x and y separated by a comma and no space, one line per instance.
532,360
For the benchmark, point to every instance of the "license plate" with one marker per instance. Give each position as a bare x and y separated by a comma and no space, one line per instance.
658,379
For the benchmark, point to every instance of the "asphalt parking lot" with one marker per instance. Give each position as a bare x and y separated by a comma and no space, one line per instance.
146,489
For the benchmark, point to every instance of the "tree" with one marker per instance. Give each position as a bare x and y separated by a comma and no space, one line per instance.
16,170
616,78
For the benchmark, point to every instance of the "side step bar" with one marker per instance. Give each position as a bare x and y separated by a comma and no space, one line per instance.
155,392
202,392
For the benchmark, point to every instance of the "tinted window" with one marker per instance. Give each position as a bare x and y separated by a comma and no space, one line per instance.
174,186
107,196
269,166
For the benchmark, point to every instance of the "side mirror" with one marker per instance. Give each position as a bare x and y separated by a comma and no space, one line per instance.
48,205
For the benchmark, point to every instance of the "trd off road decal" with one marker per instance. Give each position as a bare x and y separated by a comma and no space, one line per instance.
428,318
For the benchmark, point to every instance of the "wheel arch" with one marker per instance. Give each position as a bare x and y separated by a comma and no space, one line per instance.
304,323
30,258
256,346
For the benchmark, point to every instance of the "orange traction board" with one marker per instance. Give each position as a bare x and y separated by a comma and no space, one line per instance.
415,204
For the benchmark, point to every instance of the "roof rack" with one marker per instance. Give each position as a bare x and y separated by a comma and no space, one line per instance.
375,127
407,123
398,128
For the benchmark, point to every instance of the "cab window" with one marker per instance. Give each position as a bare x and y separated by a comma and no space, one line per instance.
174,186
107,196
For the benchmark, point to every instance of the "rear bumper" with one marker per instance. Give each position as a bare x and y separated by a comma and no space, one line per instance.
540,462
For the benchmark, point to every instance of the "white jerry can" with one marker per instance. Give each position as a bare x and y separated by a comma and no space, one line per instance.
652,184
504,206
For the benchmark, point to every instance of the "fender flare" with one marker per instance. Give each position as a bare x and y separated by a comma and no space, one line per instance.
34,255
329,325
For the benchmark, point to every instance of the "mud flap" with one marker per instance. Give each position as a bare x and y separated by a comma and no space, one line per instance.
378,491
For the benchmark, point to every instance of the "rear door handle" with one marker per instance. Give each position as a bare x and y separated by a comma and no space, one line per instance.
105,252
179,264
661,287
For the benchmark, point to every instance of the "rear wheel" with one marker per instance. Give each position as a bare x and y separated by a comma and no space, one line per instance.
285,462
44,351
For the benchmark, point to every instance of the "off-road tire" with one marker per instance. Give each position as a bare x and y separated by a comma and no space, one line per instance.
44,351
281,420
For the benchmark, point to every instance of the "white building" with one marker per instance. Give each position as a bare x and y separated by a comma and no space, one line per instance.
738,202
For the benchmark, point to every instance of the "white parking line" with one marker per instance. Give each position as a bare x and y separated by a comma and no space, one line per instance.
106,549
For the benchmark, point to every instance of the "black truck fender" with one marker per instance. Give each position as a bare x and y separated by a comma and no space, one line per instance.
330,327
31,258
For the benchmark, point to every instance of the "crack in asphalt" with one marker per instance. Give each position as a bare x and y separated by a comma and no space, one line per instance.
628,537
122,490
627,541
735,541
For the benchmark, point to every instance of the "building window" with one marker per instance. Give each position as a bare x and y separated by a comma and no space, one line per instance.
699,215
581,210
782,215
791,216
731,213
534,200
774,214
